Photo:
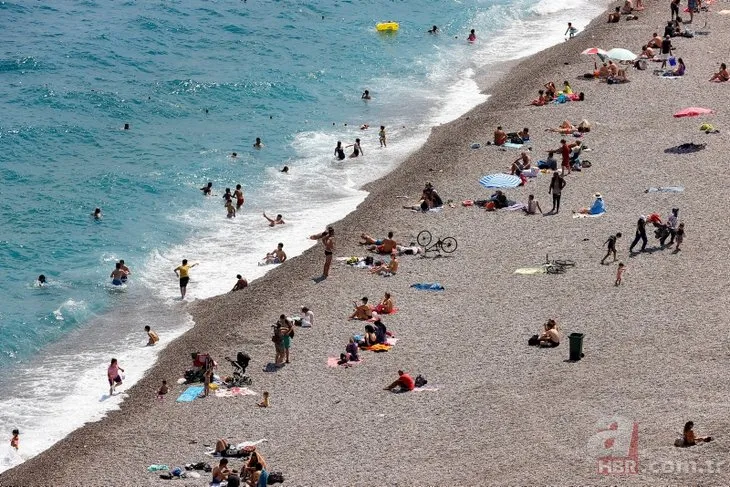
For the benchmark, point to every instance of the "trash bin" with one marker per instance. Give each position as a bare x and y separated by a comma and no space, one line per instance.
576,346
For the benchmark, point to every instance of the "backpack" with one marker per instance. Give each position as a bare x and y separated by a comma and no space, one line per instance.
420,381
275,478
533,341
369,260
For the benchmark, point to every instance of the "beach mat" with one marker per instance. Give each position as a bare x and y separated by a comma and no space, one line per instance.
510,145
500,180
587,215
332,362
665,189
235,391
190,394
428,286
425,389
530,271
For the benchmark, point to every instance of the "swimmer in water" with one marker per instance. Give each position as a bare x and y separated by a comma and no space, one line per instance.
340,151
366,95
356,149
434,30
227,196
472,36
97,214
126,270
381,134
207,190
118,275
41,280
279,220
258,144
152,336
238,193
234,155
276,256
364,126
231,209
285,170
126,126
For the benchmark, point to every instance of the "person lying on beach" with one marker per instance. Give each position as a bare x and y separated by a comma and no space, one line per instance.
276,256
532,206
596,208
278,221
389,269
689,438
500,137
382,246
647,52
550,337
386,305
404,383
220,472
521,163
540,100
240,285
721,75
221,445
362,311
524,134
565,128
615,16
151,335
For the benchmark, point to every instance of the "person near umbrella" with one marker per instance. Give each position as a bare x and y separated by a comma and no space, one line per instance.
666,51
557,183
640,234
721,75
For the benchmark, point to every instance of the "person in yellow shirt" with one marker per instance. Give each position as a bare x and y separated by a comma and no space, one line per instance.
182,272
153,337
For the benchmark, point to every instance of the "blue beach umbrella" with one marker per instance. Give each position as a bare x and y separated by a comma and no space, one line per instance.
500,181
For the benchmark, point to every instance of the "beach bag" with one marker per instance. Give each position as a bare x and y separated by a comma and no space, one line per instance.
291,334
490,206
585,163
176,472
275,478
533,341
420,381
166,476
369,260
275,339
672,61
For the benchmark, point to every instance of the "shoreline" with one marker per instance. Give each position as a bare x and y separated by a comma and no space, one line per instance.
223,316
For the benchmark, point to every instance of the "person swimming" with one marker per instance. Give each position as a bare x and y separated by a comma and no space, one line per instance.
434,30
258,144
207,189
97,214
41,280
340,151
366,95
285,170
472,36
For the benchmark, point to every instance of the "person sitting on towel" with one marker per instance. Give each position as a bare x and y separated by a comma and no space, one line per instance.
404,382
521,163
362,311
500,137
352,351
381,333
386,305
721,75
596,208
499,199
249,468
391,268
370,338
550,337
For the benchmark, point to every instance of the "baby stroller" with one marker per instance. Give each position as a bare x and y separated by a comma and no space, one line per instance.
239,378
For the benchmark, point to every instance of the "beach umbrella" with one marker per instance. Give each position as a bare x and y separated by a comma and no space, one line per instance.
620,54
592,51
692,112
500,181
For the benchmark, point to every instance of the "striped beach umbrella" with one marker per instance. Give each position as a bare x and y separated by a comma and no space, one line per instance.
500,181
592,51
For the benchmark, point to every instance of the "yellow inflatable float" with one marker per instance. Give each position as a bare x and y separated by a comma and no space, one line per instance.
387,26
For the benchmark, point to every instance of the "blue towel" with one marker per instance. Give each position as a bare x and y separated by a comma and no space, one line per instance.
190,394
428,286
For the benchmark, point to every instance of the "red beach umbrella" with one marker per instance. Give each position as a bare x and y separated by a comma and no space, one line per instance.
692,112
592,51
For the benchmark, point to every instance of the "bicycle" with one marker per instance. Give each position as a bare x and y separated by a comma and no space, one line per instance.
446,245
557,266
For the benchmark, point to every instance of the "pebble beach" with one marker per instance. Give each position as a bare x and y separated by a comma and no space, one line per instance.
502,413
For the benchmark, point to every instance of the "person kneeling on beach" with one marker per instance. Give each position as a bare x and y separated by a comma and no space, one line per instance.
404,383
689,438
362,311
221,472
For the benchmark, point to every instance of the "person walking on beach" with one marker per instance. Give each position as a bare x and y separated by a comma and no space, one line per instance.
557,183
610,245
153,337
680,237
328,240
239,196
619,273
672,226
287,333
182,272
381,135
113,376
640,234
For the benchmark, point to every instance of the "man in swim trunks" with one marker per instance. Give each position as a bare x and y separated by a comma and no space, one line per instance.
258,144
182,272
221,472
241,283
112,374
207,190
238,193
381,246
276,256
279,220
611,247
362,311
153,337
500,136
565,152
118,276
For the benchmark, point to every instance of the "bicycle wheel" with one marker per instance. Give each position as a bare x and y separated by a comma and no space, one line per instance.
448,245
424,238
565,263
555,269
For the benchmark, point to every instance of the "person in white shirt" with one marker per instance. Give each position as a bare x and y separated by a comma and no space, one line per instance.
672,224
307,317
532,206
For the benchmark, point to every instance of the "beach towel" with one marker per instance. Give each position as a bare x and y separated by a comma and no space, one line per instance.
687,148
587,215
235,391
515,207
530,271
665,189
380,347
428,286
510,145
190,394
425,389
500,181
332,362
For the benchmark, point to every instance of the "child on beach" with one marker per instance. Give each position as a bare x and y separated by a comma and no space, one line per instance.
265,401
381,134
231,209
15,440
113,375
611,247
680,237
619,273
571,30
163,390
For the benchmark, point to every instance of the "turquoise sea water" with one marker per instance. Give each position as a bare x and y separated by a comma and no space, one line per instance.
198,80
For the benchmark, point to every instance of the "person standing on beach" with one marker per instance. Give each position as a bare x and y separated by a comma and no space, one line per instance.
182,272
672,225
680,237
619,273
666,51
278,339
557,183
112,374
328,240
674,7
610,245
381,134
565,151
238,193
640,234
287,333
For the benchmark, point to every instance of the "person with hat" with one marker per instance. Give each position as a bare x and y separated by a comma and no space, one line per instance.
596,208
640,234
